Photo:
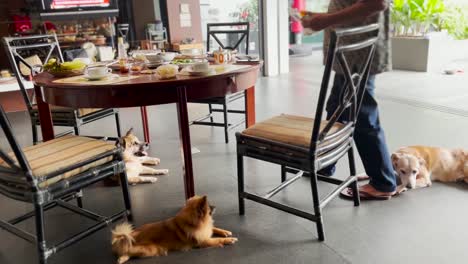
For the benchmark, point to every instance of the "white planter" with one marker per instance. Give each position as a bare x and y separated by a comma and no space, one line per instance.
423,54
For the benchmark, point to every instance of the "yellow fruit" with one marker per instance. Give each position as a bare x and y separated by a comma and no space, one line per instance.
72,65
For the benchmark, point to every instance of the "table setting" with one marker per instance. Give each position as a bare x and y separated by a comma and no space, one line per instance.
161,64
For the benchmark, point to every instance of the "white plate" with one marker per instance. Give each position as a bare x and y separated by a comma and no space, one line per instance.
201,73
7,79
108,76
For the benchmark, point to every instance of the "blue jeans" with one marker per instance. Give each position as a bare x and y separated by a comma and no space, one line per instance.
369,137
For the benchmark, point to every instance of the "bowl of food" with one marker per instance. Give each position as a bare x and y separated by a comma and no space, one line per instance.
167,71
154,58
183,62
167,56
64,69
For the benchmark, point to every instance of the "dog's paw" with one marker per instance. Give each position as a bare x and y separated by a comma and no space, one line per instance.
123,259
153,180
149,179
155,161
163,171
230,240
225,233
401,189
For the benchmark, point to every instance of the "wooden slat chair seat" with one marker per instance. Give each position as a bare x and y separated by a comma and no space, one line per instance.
55,155
287,129
53,173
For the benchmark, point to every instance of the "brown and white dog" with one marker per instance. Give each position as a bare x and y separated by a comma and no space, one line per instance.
136,157
191,228
418,166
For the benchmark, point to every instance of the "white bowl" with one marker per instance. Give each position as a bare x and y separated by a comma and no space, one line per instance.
154,57
167,56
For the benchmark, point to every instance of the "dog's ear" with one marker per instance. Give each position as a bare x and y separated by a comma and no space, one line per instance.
130,132
395,157
122,143
422,162
202,206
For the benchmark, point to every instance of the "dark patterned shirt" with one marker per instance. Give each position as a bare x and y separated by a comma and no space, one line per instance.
382,58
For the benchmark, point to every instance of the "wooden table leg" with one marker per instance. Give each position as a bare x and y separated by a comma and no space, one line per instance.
250,106
185,142
144,121
45,117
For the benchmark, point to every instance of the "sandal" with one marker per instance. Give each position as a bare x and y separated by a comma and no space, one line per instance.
348,194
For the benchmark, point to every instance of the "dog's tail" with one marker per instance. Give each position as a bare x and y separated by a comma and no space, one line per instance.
122,239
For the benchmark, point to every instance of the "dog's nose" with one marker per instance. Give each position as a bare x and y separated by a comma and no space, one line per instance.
146,144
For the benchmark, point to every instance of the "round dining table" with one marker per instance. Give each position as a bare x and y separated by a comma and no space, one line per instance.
147,90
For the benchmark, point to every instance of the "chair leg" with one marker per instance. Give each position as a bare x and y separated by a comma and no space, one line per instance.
210,108
226,122
352,171
126,195
144,122
34,134
240,183
79,199
117,124
40,233
77,130
317,209
283,173
246,114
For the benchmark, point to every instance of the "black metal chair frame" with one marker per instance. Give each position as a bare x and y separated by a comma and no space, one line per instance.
49,46
225,100
325,148
18,182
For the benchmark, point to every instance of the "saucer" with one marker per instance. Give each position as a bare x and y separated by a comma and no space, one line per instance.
201,73
97,78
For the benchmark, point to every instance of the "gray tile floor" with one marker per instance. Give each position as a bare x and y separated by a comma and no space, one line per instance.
422,226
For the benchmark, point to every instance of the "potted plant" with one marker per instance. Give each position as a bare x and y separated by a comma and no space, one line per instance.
417,39
455,22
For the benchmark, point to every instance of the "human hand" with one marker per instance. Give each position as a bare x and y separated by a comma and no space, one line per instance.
315,21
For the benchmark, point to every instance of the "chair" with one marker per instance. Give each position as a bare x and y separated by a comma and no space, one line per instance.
303,145
242,32
25,55
51,174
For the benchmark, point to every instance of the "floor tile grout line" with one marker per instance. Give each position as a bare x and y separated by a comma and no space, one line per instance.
429,106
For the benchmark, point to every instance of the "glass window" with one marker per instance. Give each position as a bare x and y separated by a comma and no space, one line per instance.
215,11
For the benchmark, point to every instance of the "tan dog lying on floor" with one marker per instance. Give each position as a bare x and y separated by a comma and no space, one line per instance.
191,228
135,157
418,166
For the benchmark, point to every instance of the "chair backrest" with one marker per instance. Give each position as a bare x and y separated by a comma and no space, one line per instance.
123,30
354,85
26,54
240,30
15,171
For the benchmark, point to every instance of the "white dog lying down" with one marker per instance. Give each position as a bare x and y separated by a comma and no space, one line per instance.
135,157
418,166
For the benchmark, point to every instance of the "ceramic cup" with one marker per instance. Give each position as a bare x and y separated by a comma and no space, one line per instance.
222,56
200,67
98,71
